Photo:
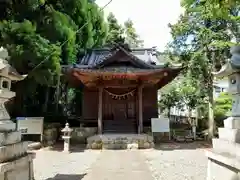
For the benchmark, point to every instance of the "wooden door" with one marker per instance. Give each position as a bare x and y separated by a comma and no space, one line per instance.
119,109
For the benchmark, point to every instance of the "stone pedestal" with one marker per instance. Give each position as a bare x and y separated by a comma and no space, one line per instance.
66,145
15,162
224,158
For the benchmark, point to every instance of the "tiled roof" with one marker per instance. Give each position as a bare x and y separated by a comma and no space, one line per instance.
96,56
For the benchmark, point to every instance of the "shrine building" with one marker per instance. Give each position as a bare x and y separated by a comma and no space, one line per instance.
120,87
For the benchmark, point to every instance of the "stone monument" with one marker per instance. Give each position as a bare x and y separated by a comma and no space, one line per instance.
224,158
15,162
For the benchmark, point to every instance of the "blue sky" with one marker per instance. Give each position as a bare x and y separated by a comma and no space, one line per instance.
150,17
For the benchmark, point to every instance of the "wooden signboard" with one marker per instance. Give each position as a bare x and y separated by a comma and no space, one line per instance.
30,125
160,125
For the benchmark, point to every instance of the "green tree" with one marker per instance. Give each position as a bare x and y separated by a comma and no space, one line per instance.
201,40
189,96
169,98
50,33
131,36
222,107
115,30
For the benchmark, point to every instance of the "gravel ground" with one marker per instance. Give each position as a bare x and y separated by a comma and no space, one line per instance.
166,162
55,165
177,162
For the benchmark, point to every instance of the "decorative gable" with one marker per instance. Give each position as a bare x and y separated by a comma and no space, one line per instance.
120,56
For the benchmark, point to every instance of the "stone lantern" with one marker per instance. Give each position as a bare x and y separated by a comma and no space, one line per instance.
15,162
67,131
224,158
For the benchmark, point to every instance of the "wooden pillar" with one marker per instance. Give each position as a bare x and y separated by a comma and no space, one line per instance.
140,109
100,105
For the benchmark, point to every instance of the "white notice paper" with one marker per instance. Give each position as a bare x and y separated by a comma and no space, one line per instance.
30,125
160,124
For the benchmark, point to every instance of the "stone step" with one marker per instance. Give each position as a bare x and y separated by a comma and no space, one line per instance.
9,152
119,124
224,146
118,130
232,135
10,137
120,141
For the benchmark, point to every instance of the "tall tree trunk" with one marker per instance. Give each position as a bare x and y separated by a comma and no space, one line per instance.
210,114
57,94
169,112
45,106
197,116
66,105
190,116
211,57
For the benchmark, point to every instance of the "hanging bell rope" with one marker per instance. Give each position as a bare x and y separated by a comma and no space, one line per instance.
121,96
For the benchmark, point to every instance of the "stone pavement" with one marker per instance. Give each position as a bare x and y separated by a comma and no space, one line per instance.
119,165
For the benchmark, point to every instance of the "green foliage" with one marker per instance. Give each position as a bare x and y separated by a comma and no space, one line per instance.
115,30
189,93
49,32
214,9
169,97
202,38
131,36
127,32
222,106
181,93
18,38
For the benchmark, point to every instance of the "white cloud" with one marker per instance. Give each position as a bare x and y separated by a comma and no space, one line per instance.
150,17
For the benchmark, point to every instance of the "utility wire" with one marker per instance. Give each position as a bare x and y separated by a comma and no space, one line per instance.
85,24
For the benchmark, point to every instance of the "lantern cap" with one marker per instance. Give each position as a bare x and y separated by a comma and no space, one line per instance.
232,65
67,128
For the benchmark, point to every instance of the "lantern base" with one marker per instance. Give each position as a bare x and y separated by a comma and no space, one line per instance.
224,158
15,162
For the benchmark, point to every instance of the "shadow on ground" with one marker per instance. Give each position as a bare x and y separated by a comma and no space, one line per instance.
171,146
67,177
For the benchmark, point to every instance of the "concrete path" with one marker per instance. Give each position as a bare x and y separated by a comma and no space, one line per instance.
119,165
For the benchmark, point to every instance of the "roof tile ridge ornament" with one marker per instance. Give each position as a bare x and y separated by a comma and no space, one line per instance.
132,56
232,65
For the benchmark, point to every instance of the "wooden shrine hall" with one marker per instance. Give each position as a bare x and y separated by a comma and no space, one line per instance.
120,87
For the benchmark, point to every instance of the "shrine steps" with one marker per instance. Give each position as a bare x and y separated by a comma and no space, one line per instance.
121,127
120,141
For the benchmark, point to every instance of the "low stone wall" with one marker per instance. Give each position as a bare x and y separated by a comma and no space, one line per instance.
51,134
80,134
120,141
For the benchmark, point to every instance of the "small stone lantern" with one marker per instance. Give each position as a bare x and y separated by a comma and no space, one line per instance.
66,137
